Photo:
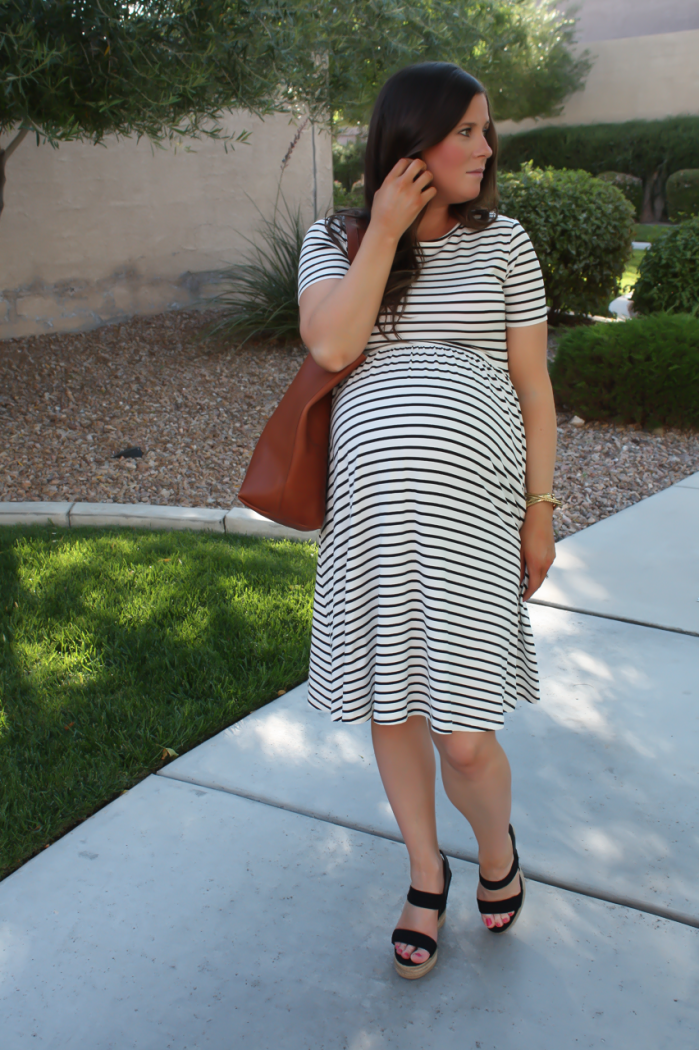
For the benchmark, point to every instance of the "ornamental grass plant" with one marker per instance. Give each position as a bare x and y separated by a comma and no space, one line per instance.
645,370
260,293
120,649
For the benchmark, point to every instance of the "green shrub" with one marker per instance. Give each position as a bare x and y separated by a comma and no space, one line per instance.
630,186
348,163
645,371
343,198
668,276
682,191
649,149
581,229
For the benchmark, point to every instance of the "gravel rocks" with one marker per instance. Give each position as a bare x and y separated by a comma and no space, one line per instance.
68,403
602,468
196,409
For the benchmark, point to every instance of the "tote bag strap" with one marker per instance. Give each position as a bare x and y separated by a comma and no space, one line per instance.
356,228
286,480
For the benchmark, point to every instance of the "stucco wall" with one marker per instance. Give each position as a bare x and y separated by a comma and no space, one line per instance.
633,78
91,234
611,19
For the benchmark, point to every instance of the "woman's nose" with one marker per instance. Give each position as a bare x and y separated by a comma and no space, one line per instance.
484,149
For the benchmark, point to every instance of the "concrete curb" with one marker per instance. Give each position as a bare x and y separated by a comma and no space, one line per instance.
237,520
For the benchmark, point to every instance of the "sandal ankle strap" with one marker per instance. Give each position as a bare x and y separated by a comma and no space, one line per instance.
433,901
421,899
499,884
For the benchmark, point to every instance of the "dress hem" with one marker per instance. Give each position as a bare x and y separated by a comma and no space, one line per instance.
361,719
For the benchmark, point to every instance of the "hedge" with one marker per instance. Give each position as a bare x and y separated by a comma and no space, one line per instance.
645,371
581,229
682,191
668,276
630,186
649,149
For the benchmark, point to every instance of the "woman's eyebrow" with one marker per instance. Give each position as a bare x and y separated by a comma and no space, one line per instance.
472,124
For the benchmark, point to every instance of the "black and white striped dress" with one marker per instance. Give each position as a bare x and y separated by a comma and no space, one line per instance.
418,606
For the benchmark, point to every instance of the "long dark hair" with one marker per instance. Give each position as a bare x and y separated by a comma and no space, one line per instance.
416,109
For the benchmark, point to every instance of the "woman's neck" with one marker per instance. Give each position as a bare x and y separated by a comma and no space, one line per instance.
435,223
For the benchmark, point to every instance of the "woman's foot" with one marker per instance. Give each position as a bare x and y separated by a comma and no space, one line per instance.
494,874
422,920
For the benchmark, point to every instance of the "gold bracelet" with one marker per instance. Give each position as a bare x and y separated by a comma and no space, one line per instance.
542,497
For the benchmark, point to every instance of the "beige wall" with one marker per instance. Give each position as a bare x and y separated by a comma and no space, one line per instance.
91,234
633,78
610,19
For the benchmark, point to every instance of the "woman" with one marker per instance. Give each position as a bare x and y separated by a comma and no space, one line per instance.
429,547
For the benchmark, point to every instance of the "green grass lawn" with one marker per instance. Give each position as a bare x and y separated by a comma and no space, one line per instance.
118,644
630,275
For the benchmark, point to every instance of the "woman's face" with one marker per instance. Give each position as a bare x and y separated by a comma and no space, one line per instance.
458,161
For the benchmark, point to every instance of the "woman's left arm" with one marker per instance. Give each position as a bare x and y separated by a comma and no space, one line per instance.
526,352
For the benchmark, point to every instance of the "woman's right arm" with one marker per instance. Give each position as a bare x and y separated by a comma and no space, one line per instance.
338,315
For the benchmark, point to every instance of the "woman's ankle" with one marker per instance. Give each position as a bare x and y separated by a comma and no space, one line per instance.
426,869
496,865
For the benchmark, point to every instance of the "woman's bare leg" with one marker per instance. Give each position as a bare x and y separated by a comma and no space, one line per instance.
406,761
477,780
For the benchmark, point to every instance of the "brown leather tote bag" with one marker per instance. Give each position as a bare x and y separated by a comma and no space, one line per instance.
287,478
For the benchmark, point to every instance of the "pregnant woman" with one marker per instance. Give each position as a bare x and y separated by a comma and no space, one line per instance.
438,522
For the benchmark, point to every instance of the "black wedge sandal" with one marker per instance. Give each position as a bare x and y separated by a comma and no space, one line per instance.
436,902
513,904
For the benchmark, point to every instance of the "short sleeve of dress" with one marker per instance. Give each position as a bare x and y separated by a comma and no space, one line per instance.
525,295
320,256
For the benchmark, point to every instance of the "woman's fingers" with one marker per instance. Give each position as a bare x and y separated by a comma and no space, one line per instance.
413,171
423,181
537,546
404,193
401,167
537,574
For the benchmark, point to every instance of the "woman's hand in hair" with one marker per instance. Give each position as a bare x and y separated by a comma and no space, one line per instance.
402,196
338,315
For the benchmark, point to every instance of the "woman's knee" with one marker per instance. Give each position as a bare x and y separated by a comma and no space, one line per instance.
464,751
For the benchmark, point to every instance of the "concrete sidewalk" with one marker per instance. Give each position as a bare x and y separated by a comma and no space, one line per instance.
245,895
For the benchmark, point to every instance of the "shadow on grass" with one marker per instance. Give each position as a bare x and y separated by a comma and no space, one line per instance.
118,645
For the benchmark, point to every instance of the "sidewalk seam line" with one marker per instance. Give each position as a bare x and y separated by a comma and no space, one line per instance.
607,616
534,876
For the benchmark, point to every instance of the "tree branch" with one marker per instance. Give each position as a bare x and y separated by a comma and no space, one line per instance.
4,154
16,141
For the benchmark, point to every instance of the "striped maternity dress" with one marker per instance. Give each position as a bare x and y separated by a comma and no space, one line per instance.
418,605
